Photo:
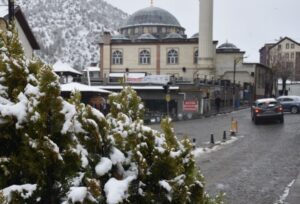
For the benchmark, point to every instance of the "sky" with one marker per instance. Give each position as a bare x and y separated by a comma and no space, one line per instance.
248,24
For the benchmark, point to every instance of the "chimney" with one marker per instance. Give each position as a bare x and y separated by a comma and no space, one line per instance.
11,10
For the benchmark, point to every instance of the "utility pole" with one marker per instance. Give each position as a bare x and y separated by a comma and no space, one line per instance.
11,10
233,88
166,88
235,62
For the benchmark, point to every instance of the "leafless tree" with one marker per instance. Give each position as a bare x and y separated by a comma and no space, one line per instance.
283,67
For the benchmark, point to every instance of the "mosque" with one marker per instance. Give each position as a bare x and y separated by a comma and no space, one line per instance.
152,49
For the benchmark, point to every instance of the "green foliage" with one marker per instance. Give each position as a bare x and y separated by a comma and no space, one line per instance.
57,145
166,169
3,200
12,63
128,103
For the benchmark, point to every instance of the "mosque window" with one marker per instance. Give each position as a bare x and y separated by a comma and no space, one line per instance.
136,30
146,30
145,57
172,56
163,30
196,57
117,57
154,29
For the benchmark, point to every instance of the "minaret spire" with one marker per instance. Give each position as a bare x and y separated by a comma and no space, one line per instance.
206,34
151,2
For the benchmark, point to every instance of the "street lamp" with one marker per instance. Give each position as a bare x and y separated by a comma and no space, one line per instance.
235,62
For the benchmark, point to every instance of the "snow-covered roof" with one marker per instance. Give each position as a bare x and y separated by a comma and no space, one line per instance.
3,10
74,86
91,69
59,66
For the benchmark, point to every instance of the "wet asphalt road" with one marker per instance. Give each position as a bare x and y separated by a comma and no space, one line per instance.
256,168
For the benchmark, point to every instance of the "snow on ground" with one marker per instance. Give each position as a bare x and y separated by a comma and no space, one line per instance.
218,145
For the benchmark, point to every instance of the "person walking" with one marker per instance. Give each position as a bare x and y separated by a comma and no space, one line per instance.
218,103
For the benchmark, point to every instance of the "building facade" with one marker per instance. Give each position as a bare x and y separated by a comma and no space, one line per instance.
288,49
14,13
152,50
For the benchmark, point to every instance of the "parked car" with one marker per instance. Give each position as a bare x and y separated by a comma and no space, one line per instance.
267,109
290,103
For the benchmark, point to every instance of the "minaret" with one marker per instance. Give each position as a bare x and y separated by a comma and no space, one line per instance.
205,46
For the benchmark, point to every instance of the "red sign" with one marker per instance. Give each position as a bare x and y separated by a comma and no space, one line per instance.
190,106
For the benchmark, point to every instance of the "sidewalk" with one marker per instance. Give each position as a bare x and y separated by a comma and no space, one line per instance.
294,194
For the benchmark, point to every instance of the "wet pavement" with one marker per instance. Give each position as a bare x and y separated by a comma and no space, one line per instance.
257,167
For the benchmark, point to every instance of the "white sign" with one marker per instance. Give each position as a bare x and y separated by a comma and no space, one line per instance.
151,79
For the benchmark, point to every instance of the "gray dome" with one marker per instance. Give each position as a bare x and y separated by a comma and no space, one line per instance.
174,36
227,48
228,45
147,36
196,35
152,16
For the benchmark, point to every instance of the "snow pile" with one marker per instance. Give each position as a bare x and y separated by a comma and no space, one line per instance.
103,166
77,194
117,156
116,190
25,190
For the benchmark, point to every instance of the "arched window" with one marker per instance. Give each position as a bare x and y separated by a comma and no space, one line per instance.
196,57
173,56
144,57
117,57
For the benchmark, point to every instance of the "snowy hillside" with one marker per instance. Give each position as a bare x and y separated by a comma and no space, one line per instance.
69,29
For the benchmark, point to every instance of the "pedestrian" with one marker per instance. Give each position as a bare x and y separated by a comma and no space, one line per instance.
218,103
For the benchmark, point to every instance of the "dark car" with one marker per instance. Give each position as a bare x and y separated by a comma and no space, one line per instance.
290,103
267,109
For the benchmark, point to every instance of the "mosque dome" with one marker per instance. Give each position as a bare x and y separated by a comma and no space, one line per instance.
196,35
156,21
152,16
228,47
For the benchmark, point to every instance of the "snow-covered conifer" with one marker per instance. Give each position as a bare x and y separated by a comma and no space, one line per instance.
164,167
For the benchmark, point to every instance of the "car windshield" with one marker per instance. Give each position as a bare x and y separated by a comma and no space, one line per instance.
266,104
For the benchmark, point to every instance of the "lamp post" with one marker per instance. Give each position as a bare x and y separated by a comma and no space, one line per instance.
235,62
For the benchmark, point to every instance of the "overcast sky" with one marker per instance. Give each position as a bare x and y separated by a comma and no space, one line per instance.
248,24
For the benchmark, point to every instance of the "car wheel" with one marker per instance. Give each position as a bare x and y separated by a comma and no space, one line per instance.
294,110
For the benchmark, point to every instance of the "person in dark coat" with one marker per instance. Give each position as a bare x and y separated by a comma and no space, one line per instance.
218,103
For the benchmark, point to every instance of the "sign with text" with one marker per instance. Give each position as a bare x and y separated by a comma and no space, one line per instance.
190,106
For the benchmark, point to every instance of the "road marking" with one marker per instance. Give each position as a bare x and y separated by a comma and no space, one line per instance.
285,193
